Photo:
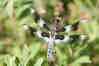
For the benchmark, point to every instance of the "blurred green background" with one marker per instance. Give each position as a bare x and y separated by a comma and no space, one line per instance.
18,48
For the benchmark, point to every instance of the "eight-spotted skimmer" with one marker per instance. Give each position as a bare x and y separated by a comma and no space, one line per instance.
53,36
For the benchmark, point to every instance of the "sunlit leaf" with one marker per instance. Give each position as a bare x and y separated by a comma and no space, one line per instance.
39,62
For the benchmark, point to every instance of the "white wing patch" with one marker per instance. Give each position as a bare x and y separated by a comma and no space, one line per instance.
42,22
32,10
25,27
84,21
58,41
83,37
39,34
68,28
46,39
66,38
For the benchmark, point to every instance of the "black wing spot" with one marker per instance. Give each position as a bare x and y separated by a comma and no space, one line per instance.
36,17
46,26
61,37
44,34
32,30
75,26
74,38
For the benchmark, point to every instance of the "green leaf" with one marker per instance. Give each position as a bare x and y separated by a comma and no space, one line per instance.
75,64
10,7
10,60
39,62
62,59
77,53
83,59
33,51
20,10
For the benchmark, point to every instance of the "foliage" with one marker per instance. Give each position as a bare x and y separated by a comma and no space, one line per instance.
17,48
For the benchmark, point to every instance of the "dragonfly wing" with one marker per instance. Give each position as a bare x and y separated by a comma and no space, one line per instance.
61,38
43,35
46,39
57,41
68,28
39,34
43,24
83,37
32,10
66,38
75,26
25,27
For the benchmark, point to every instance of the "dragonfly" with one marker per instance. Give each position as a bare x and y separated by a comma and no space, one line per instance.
53,36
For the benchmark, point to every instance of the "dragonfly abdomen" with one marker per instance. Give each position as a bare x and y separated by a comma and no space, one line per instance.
50,49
